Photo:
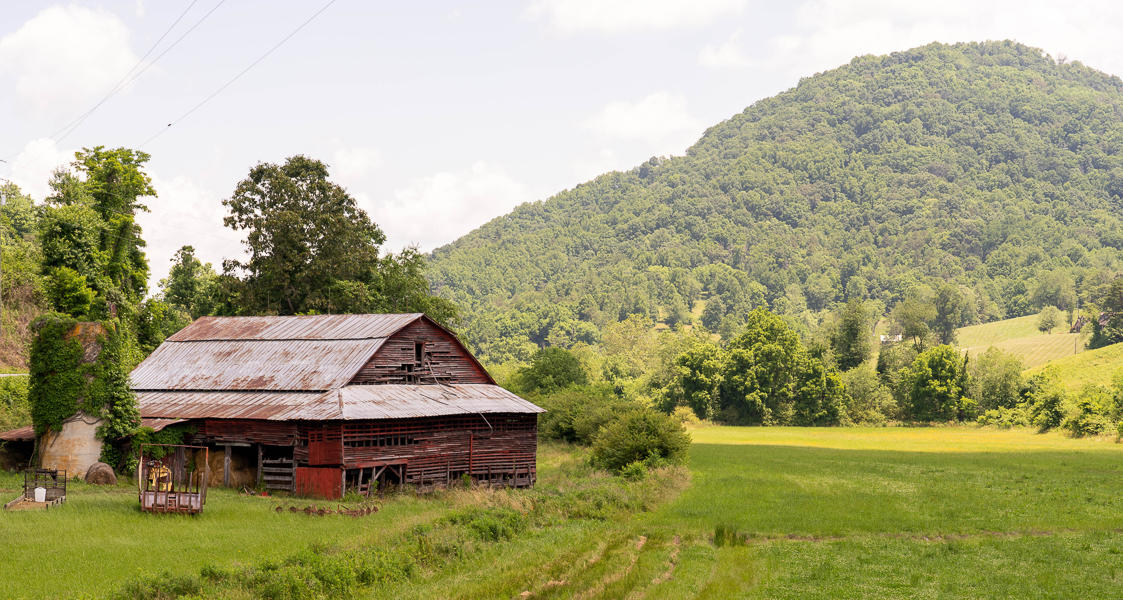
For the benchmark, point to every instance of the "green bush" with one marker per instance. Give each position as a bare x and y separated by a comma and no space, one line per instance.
575,414
1005,418
640,435
1089,413
1045,399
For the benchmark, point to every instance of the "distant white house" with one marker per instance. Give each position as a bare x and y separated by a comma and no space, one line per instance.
891,338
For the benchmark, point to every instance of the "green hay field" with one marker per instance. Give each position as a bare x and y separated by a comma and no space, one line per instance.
960,512
1020,336
1089,367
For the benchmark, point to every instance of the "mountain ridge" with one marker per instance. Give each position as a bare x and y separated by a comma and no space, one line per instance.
987,164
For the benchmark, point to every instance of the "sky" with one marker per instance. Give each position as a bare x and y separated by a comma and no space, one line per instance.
438,116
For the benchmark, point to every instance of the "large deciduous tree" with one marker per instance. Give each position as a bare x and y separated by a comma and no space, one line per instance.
312,249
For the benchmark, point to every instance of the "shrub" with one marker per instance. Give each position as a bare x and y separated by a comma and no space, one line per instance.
1089,412
576,414
1005,418
639,435
1045,399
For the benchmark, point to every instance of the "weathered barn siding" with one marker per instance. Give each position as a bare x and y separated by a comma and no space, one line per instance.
442,359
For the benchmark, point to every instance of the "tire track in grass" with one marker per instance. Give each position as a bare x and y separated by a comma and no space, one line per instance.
600,586
753,539
639,589
590,559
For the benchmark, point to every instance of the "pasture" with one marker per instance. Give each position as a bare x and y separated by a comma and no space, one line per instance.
960,512
1097,367
1019,336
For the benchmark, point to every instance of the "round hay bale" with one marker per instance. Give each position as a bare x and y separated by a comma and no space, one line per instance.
100,473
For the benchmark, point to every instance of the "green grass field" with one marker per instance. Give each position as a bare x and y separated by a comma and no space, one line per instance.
957,512
1020,336
1089,367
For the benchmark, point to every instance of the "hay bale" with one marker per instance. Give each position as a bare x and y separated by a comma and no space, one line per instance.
100,473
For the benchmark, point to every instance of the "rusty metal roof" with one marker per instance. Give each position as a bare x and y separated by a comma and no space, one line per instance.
409,401
22,434
347,403
221,405
275,365
301,327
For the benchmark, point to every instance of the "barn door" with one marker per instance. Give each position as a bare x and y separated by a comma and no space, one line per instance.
325,446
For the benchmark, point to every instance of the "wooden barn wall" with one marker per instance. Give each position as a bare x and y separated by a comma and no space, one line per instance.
445,359
233,431
435,450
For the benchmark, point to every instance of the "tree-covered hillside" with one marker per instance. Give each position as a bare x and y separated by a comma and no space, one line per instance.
990,165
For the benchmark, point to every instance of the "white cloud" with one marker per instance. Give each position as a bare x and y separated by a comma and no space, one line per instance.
660,117
830,32
614,16
726,55
32,167
439,208
352,165
65,57
185,213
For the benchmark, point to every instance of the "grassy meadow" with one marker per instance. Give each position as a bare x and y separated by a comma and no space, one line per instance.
1021,337
962,512
1089,367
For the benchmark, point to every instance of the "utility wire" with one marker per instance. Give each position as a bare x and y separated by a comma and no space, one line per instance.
239,75
130,77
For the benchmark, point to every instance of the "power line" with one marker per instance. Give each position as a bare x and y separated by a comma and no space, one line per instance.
239,75
129,77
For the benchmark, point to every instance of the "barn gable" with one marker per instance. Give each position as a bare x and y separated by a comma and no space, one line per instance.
419,353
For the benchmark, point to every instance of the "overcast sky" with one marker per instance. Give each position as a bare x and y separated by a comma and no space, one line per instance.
438,117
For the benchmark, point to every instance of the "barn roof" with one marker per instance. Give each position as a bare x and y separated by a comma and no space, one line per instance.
295,353
294,368
300,327
346,403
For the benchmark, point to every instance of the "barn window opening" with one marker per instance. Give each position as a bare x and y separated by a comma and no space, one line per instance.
418,352
380,441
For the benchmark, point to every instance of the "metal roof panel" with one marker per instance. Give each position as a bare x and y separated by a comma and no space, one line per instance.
299,327
274,365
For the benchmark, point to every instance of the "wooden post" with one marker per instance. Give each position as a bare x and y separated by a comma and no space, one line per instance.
226,466
259,455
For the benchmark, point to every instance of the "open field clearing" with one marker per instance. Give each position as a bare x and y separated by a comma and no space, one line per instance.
1020,337
958,512
1090,367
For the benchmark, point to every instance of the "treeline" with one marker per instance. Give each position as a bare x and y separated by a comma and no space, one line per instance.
838,374
989,166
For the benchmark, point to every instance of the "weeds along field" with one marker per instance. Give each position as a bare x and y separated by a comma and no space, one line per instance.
959,512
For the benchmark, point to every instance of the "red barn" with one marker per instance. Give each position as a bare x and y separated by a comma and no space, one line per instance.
323,404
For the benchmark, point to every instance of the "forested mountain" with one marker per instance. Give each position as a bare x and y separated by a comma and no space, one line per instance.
990,165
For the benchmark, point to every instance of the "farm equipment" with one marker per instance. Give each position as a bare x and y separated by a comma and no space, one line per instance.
42,488
169,481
